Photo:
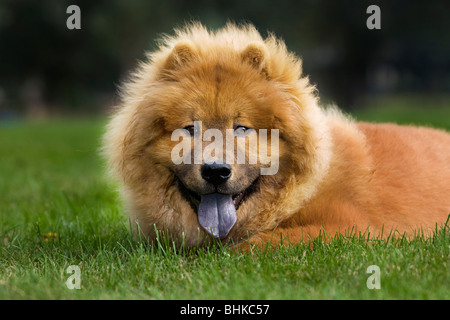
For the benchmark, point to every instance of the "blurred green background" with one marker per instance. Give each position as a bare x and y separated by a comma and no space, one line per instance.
46,69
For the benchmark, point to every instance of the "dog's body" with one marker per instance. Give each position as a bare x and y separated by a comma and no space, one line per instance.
334,174
374,184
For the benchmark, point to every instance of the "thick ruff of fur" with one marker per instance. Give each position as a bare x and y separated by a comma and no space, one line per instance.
334,174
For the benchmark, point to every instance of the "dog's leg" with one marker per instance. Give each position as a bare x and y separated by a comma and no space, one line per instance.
301,234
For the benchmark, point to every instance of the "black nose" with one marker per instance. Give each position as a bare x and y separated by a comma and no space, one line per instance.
216,173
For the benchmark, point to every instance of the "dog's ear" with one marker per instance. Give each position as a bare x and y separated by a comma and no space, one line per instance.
256,56
182,53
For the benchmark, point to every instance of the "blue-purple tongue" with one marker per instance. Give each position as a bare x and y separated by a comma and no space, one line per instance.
217,214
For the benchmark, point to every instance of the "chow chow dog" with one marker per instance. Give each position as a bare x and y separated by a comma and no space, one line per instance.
330,174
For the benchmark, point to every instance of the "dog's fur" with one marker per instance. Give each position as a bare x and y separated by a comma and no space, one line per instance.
334,174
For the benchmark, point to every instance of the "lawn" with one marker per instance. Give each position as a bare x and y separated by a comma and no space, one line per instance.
57,209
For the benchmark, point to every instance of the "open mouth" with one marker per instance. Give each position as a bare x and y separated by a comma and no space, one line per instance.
216,212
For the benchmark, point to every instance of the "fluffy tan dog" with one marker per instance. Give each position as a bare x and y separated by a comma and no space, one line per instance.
333,174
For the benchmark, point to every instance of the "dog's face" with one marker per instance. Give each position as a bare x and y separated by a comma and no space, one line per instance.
212,138
217,139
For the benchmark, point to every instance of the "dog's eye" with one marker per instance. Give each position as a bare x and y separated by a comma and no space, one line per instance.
242,131
190,129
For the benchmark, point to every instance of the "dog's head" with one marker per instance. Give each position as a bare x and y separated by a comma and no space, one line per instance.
220,122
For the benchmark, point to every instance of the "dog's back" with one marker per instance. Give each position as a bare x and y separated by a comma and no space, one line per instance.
412,173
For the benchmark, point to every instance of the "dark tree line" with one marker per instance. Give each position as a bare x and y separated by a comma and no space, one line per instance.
44,63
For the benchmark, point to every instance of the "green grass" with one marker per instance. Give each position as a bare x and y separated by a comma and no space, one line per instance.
52,180
431,111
